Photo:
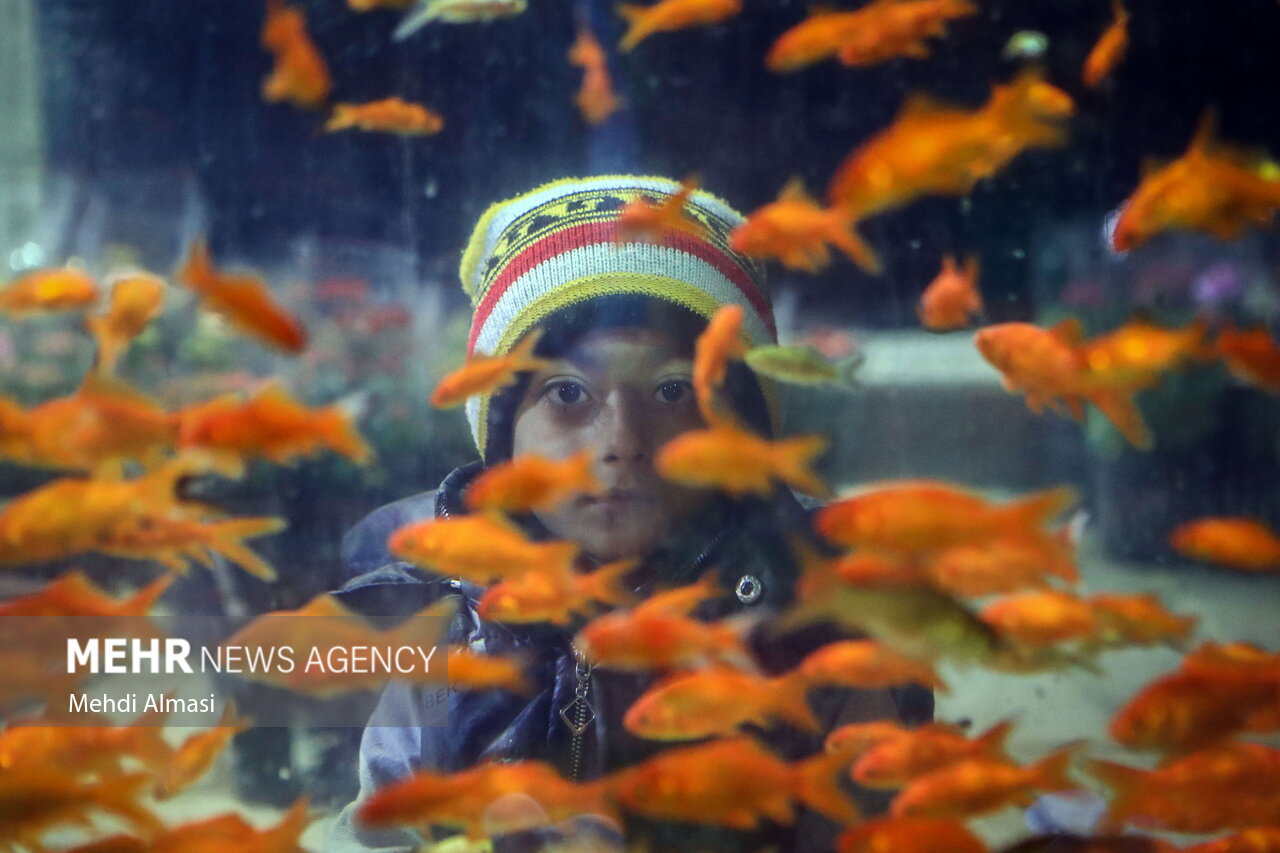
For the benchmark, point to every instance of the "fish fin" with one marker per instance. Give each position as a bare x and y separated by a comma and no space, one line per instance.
920,105
228,541
1126,782
521,354
284,835
606,586
197,270
1069,331
788,701
146,597
818,785
992,741
732,648
844,236
682,600
794,190
342,436
119,795
793,457
1119,408
1206,131
427,627
1038,509
415,20
634,14
1050,772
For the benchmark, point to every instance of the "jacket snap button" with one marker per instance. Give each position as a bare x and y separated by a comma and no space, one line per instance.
749,589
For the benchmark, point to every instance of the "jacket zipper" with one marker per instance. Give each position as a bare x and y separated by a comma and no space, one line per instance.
578,714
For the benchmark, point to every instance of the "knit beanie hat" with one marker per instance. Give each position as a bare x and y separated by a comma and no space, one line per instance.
553,248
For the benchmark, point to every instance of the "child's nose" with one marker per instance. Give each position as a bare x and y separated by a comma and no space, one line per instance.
624,437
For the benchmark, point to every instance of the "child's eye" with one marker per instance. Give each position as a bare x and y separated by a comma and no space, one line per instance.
565,392
674,391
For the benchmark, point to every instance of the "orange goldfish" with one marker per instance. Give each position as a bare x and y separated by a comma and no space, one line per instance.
1252,357
951,300
54,289
477,548
54,742
895,762
197,753
667,15
1045,365
1187,710
595,98
854,739
300,73
486,374
891,28
739,463
73,606
1137,353
272,425
643,220
1265,839
1041,618
814,39
389,115
102,423
796,230
135,302
866,664
1138,620
324,625
977,786
537,596
221,832
531,482
243,300
1238,543
693,705
470,671
463,799
1234,660
720,341
1213,187
913,515
732,782
1007,564
1233,785
36,798
909,835
647,638
1110,49
933,149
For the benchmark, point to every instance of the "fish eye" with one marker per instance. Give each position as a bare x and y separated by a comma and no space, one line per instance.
674,390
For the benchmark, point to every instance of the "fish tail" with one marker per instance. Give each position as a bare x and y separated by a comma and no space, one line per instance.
416,20
1050,772
119,795
425,628
634,14
228,541
845,237
1127,783
341,118
788,701
342,435
605,584
522,357
149,745
1120,409
146,597
284,835
197,270
992,741
1036,510
109,346
818,785
794,456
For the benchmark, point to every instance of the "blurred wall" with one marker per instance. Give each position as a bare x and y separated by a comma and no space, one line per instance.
20,143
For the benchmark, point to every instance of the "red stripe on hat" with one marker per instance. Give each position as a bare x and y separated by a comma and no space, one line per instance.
590,233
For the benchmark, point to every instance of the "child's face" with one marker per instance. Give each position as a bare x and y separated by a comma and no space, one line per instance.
621,393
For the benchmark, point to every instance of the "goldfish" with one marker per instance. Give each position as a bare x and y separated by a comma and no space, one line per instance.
909,835
1242,660
197,753
1136,354
35,798
977,786
54,742
667,15
138,519
136,300
1233,785
271,424
866,664
463,799
595,98
934,149
888,29
716,701
1213,187
802,365
389,115
102,423
1186,710
531,482
720,341
300,74
1041,618
1110,48
456,12
1138,620
72,605
53,289
478,548
814,39
795,229
1252,357
643,220
537,596
323,625
648,637
1238,543
740,463
470,671
1045,365
1005,564
486,374
732,782
243,300
225,832
951,300
911,515
1262,839
854,739
895,762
